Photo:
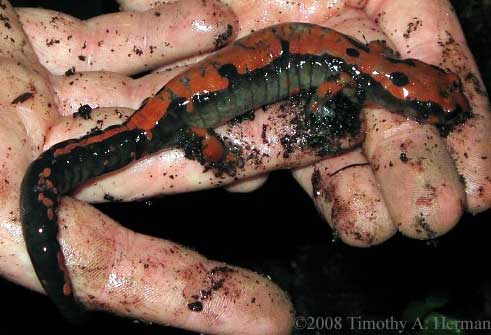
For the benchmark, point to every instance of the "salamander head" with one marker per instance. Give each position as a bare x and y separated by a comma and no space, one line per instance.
428,93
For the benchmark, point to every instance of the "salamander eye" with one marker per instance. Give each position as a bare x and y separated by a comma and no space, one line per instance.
399,79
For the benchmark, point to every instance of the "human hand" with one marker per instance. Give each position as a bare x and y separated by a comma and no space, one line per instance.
363,203
135,194
417,183
112,268
440,177
422,196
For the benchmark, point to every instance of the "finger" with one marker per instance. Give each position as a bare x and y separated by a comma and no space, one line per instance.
417,176
262,142
155,280
432,32
140,5
432,167
14,44
107,89
248,184
15,264
103,279
254,15
345,193
349,201
361,223
27,111
77,125
141,277
158,281
128,42
24,80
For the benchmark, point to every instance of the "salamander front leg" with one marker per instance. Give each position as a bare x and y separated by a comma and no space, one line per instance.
328,90
210,150
381,47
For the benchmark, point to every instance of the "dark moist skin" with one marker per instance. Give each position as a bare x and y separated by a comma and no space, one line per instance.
267,66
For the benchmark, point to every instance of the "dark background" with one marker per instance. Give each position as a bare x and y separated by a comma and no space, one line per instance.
276,231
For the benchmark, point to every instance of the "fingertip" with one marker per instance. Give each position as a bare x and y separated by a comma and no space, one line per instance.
359,214
417,177
143,277
345,193
479,198
247,185
472,157
429,223
234,300
129,43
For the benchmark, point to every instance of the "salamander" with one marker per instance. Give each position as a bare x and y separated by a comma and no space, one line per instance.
264,67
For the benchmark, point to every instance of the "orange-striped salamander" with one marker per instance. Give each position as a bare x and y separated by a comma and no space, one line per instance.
267,66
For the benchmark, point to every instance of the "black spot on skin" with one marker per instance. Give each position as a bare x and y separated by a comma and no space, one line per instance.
352,52
196,306
111,198
399,79
228,71
285,47
403,157
177,105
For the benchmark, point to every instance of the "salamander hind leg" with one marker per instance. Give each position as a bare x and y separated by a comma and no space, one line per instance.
332,120
210,150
